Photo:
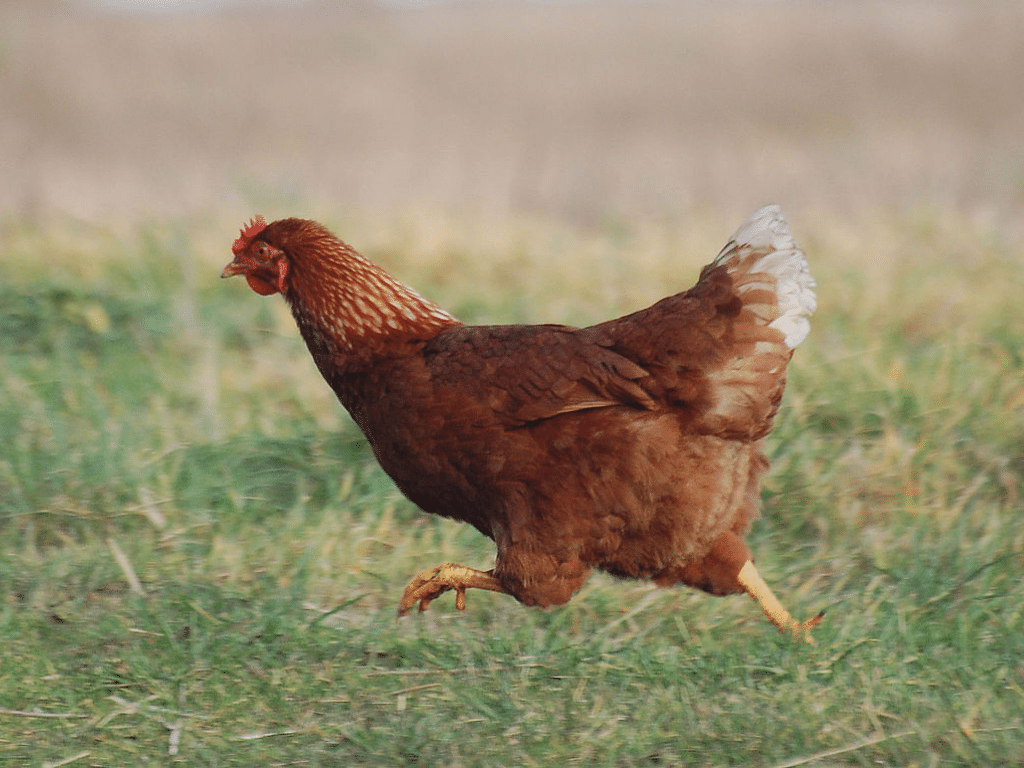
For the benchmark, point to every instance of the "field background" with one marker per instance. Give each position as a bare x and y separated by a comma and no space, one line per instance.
199,559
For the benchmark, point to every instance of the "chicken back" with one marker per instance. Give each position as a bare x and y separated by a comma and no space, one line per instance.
633,446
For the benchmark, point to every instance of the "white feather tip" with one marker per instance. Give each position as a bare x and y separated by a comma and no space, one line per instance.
767,234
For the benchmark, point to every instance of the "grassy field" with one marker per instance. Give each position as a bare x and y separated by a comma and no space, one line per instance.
200,561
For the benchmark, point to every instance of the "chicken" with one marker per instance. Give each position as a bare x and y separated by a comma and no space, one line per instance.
633,446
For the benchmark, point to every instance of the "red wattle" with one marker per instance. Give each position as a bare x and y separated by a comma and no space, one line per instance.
262,287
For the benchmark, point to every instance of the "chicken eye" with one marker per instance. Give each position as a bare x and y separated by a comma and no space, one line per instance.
262,250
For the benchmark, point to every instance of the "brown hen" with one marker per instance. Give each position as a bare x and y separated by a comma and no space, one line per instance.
633,446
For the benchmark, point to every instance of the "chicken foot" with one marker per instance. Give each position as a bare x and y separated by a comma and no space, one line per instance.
755,586
429,584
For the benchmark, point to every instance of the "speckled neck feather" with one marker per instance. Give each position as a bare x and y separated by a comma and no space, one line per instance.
344,301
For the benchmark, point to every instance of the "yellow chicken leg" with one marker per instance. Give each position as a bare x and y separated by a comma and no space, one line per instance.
751,581
431,583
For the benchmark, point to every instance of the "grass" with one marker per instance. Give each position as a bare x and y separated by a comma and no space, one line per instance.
200,560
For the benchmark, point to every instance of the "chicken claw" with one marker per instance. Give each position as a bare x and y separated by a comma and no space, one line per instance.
751,581
431,583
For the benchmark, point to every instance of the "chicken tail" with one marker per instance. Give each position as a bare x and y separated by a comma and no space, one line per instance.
762,255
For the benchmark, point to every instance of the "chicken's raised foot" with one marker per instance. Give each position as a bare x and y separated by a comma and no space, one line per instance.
429,584
751,581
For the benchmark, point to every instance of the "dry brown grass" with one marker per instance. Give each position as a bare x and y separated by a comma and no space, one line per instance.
657,109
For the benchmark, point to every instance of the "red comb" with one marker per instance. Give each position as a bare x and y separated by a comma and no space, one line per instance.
256,225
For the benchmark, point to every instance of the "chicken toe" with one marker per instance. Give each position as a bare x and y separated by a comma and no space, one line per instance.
431,583
756,587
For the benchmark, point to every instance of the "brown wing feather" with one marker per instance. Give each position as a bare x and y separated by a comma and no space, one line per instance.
529,373
711,353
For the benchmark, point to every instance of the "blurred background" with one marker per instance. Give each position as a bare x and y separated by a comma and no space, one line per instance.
577,110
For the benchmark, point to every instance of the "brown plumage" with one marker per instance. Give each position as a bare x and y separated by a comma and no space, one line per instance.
632,446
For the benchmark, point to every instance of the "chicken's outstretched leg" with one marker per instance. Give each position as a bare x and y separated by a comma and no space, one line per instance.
751,581
431,583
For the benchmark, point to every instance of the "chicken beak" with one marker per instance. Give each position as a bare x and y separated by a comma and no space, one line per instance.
255,275
232,269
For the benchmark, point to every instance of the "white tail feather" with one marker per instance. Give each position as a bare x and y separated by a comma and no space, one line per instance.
766,236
